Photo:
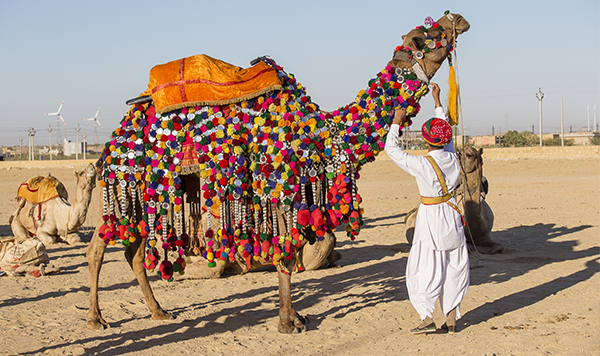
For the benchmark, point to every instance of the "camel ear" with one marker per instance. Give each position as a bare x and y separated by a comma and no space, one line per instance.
481,151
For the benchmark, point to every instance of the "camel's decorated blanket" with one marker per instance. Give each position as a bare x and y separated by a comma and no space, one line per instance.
204,81
269,153
40,189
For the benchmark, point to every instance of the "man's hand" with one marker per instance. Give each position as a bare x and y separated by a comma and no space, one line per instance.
435,92
399,115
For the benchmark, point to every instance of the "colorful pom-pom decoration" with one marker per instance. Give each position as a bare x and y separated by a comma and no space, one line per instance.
257,162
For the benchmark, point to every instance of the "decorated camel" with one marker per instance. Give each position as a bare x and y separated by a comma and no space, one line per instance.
45,212
470,195
265,173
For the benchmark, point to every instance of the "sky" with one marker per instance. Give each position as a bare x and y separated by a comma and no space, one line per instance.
99,53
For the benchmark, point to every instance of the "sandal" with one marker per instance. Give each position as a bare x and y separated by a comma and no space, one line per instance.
450,329
423,329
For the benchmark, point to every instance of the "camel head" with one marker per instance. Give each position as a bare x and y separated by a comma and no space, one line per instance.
86,178
470,158
430,46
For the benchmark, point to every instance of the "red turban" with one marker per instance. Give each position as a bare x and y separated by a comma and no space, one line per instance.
437,132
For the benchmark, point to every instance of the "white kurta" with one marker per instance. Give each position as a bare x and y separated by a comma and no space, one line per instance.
438,264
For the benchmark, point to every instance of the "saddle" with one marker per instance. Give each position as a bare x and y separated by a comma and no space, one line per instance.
201,80
40,189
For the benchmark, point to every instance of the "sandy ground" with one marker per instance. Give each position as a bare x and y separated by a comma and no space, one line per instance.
541,297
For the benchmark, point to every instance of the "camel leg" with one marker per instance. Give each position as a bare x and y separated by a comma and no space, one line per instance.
19,231
289,320
318,254
134,254
73,238
197,268
95,256
45,237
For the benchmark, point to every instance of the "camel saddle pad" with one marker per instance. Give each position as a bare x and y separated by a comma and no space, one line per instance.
201,80
40,189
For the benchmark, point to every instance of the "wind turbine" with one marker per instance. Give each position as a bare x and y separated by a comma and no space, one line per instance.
95,119
58,117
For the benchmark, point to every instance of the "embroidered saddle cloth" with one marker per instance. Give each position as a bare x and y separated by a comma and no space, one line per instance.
40,189
202,80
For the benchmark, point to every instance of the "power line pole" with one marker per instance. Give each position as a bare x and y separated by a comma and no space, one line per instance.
595,124
540,96
50,140
78,147
31,133
84,146
562,123
21,148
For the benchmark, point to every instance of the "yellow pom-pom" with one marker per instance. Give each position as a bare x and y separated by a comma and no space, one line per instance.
152,243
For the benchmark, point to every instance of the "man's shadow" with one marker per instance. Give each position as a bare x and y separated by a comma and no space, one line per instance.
533,250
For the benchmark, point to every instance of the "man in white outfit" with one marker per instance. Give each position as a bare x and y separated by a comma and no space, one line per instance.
438,263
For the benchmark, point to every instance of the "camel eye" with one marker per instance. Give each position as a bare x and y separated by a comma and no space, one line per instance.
419,42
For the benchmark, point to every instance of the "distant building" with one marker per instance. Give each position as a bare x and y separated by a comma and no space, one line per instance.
486,140
72,148
581,138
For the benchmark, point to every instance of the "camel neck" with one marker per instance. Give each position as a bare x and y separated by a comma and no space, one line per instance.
364,123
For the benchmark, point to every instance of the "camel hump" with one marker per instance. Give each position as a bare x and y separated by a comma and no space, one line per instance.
40,189
201,80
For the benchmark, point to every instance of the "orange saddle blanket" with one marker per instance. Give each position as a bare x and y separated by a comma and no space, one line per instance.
40,189
203,80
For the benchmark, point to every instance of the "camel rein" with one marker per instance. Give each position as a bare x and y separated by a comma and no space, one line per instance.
461,118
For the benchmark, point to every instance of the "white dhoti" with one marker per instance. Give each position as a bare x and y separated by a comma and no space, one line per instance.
432,274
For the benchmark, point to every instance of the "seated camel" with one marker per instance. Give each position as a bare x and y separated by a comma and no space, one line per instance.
45,212
478,215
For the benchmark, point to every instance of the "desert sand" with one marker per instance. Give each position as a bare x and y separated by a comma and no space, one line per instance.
540,297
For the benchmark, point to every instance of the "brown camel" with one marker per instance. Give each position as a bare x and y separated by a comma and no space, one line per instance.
49,215
470,196
283,171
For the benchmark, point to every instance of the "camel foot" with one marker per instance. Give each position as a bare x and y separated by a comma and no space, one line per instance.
46,240
487,249
333,257
294,324
73,239
162,315
97,324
